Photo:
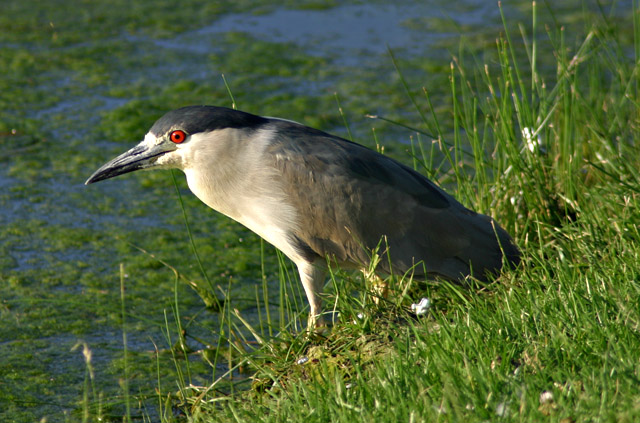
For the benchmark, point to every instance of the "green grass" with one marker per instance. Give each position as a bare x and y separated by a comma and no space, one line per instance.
557,339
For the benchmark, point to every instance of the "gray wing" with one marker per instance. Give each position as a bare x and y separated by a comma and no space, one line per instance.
350,197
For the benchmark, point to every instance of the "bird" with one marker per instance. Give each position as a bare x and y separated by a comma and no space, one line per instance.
319,198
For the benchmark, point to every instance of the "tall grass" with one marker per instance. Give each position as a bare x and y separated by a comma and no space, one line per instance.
552,155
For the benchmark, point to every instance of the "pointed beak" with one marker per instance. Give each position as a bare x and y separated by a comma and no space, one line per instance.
139,157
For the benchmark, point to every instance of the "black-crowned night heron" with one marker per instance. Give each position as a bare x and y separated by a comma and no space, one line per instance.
316,197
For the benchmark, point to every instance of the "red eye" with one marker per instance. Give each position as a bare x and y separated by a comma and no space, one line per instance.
177,136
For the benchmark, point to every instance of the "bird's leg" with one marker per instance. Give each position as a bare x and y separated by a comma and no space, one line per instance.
312,278
379,286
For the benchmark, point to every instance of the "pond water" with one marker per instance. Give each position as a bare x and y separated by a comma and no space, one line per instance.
347,34
83,86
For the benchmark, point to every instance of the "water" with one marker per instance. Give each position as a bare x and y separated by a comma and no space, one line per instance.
349,34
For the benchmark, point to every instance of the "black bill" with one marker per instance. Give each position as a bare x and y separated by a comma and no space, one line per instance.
139,157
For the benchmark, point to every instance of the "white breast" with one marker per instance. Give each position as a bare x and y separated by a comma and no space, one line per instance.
232,176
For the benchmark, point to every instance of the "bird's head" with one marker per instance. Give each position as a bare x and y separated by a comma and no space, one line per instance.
176,137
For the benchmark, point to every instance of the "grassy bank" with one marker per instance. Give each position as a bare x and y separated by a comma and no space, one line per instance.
541,134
